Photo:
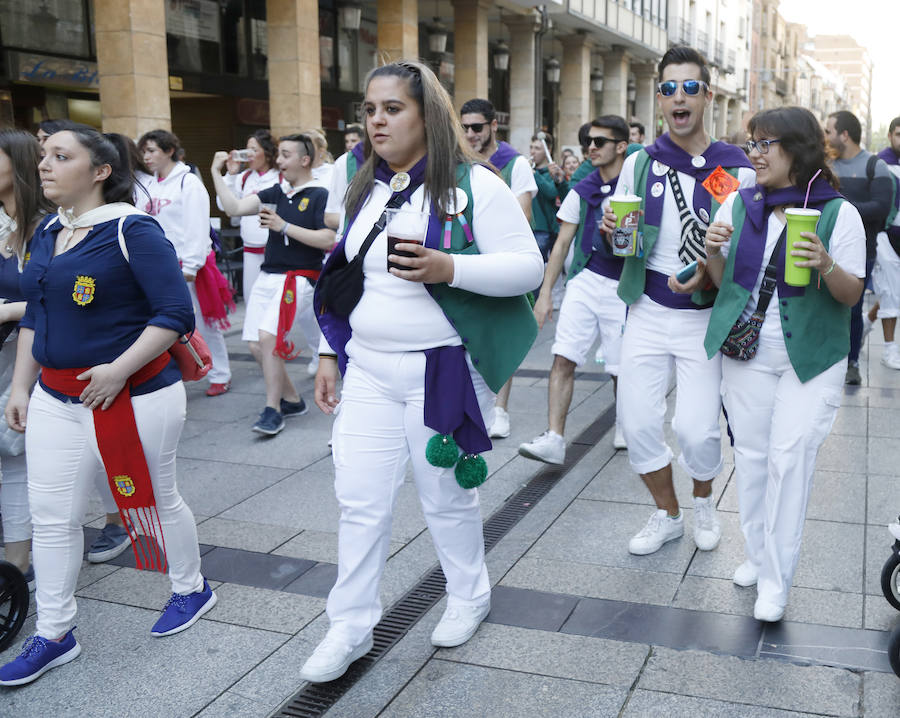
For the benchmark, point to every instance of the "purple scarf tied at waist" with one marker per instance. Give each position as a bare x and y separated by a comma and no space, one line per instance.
451,405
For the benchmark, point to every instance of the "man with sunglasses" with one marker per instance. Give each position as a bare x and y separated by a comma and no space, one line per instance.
591,305
681,178
479,122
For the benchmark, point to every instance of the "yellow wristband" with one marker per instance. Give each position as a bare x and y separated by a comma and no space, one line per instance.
830,269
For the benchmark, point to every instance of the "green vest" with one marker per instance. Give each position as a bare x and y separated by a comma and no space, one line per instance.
351,167
497,332
506,171
579,258
634,271
816,327
582,171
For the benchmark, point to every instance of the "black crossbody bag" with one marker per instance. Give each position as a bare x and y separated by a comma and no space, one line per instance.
341,289
742,341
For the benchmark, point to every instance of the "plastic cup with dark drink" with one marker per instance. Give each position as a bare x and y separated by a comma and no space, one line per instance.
404,226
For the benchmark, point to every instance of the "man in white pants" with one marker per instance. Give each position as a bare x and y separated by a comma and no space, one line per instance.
665,328
591,304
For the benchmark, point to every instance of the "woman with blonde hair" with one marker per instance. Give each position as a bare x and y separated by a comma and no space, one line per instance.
421,352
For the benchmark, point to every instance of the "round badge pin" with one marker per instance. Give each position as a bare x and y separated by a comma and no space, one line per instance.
704,215
605,189
460,202
659,169
657,189
399,182
698,161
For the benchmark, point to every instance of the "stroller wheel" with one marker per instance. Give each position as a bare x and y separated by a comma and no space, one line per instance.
13,603
894,650
890,580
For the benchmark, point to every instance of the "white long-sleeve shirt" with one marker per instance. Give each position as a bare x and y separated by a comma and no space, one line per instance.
398,315
180,203
252,235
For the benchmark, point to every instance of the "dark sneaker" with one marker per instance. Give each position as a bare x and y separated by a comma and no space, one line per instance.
293,408
182,612
270,422
853,376
112,541
38,656
29,577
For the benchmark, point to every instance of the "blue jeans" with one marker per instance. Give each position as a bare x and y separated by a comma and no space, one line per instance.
856,322
545,242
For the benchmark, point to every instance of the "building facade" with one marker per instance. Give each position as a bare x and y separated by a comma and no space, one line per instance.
847,58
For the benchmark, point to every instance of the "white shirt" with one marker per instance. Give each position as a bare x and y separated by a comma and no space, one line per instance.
180,203
521,179
664,257
252,235
398,315
847,248
322,174
337,189
570,209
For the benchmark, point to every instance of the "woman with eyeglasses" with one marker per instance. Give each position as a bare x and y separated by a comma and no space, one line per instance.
421,352
782,401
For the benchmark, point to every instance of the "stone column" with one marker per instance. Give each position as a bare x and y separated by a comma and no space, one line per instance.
575,89
735,125
294,97
522,122
645,99
398,29
615,82
133,66
470,50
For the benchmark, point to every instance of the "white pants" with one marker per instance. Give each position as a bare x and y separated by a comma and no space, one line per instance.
14,499
264,307
655,338
886,279
221,369
590,306
778,426
378,430
63,460
252,263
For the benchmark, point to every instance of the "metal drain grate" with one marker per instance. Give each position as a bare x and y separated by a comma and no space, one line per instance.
316,698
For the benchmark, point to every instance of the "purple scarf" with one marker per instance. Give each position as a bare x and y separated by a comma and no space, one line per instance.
357,151
759,203
887,154
451,405
593,189
668,153
503,156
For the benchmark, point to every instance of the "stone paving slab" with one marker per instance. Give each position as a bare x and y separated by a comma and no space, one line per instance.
644,703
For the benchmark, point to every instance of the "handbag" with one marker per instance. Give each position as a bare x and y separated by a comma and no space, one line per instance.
192,355
190,351
742,341
341,289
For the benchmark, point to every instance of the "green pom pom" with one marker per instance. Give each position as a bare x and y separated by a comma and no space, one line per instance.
471,471
441,450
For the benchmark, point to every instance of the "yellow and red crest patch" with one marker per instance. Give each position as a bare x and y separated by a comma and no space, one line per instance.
288,297
304,203
85,287
124,485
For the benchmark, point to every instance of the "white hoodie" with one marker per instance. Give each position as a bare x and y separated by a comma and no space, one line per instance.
180,203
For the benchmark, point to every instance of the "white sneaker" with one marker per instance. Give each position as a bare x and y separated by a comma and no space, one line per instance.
707,529
867,327
332,658
458,625
549,447
764,610
891,356
619,438
659,529
500,426
313,365
746,575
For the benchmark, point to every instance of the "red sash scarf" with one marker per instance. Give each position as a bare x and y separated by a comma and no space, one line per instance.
123,458
284,348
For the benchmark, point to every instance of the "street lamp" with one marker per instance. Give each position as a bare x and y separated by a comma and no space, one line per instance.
437,37
596,80
501,56
351,16
552,71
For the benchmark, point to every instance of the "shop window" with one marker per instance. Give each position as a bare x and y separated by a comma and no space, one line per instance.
193,35
54,26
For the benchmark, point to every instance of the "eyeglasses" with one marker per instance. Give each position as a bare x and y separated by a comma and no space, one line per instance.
690,87
600,142
476,127
761,146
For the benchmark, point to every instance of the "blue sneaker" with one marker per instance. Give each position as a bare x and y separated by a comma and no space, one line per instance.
112,541
182,612
293,408
270,422
38,656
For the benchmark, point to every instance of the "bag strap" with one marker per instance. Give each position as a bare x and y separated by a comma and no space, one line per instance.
870,168
767,288
680,202
394,202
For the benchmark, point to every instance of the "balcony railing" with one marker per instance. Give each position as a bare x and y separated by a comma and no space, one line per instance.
703,43
684,34
719,54
781,86
731,62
